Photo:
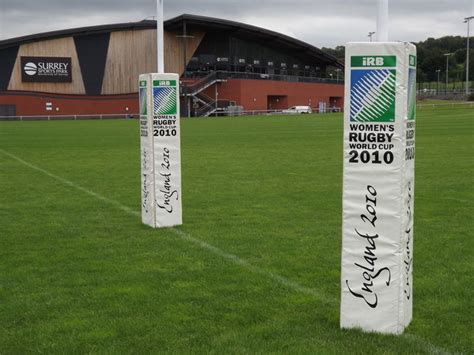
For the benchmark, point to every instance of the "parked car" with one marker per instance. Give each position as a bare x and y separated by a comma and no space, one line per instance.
298,109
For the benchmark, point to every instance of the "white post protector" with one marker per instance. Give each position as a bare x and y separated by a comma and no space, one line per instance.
378,186
160,150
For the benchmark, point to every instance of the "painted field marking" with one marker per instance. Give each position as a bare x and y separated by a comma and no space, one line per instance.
183,235
217,251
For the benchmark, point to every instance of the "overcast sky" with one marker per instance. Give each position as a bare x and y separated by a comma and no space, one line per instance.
323,23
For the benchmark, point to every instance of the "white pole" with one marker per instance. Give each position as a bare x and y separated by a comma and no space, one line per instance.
467,19
160,56
467,61
437,86
382,21
447,71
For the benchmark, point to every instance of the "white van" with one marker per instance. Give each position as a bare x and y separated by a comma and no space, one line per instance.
298,109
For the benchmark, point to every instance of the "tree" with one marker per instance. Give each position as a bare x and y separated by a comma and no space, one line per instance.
431,57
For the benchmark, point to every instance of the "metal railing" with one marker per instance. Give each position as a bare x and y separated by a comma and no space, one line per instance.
441,93
69,117
209,79
466,104
278,77
212,107
194,88
228,112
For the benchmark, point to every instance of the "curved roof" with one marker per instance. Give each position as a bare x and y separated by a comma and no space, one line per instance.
206,23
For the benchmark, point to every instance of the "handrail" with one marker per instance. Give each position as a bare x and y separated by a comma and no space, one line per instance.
205,109
97,116
451,104
194,88
222,75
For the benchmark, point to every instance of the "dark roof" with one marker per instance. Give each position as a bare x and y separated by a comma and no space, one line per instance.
145,24
207,23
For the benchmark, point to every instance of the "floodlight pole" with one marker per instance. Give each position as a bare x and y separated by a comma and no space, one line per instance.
437,85
382,21
447,72
160,51
467,20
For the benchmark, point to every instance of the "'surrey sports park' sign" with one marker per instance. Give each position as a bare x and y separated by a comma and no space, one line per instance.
378,188
160,150
46,69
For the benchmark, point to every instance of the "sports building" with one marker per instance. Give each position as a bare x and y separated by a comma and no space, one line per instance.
224,66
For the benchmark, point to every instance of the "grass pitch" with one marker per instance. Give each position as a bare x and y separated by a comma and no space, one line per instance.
254,269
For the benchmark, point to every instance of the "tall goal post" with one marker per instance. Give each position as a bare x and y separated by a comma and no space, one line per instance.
378,186
160,144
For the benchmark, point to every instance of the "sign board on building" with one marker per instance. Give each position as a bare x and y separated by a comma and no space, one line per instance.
46,70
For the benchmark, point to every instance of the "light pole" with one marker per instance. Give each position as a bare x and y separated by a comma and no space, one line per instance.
337,74
447,70
382,21
437,85
160,48
370,35
467,20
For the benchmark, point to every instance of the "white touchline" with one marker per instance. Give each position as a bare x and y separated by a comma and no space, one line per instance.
231,257
69,183
183,235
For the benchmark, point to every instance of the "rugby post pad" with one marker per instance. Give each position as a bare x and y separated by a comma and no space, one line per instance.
160,150
378,186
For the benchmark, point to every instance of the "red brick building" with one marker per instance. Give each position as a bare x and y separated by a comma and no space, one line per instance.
94,70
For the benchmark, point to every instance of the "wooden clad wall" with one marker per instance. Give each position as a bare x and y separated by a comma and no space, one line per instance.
174,51
62,47
132,53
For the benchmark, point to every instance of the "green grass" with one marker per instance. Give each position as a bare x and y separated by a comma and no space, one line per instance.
78,274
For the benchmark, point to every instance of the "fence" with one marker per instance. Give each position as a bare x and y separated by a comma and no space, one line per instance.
271,112
224,75
224,112
69,117
452,105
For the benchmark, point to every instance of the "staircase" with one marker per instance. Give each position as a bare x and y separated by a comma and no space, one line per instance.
207,105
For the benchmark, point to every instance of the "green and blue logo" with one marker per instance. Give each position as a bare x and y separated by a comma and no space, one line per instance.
373,95
412,88
164,97
411,94
143,99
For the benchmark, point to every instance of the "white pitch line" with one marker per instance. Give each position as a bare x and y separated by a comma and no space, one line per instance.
183,235
217,251
244,263
69,183
432,349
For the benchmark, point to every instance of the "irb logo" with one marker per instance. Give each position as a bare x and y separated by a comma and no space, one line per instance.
372,61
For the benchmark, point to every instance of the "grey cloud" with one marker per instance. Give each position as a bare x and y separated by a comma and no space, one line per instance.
320,22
